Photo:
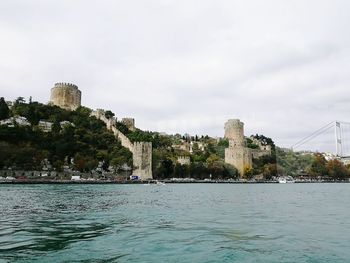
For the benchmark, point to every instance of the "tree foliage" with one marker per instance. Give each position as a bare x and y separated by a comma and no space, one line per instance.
4,109
84,140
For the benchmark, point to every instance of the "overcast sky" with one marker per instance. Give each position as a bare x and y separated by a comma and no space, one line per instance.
282,67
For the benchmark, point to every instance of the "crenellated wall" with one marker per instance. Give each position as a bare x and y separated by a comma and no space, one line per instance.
141,151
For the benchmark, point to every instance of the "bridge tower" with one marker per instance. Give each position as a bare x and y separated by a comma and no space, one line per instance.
338,139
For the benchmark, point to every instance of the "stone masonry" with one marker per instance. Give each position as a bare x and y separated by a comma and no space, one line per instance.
66,96
237,154
141,151
130,123
142,160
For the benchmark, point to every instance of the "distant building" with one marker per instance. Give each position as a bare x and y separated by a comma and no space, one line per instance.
66,123
329,156
18,120
184,160
45,126
189,147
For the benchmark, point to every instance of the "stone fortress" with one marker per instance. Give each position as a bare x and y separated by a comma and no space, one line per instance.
141,151
237,154
66,96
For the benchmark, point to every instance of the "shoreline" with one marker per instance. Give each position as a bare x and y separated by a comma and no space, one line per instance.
163,181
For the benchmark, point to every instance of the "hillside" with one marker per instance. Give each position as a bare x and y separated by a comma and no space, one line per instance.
46,137
59,137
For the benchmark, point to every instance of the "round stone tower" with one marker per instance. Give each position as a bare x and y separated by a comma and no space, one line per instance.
234,131
237,154
66,96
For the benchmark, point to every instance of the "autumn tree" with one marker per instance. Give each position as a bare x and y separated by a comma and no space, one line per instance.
337,169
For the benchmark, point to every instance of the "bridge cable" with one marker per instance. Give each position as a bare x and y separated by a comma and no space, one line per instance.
309,139
313,135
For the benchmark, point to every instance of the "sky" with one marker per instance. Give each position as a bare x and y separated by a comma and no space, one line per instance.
186,66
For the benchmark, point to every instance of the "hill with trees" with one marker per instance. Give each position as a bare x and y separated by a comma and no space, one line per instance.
82,143
82,140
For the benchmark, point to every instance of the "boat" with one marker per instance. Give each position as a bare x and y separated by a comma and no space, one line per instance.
282,180
154,182
286,180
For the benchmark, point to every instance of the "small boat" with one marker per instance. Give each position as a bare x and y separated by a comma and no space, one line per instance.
282,180
160,183
286,180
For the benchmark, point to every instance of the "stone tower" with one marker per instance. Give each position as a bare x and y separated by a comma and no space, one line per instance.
130,123
237,154
66,96
142,160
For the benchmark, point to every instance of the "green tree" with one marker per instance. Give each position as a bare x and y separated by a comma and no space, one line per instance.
223,142
212,159
4,109
56,126
318,166
269,171
58,165
109,114
251,144
20,100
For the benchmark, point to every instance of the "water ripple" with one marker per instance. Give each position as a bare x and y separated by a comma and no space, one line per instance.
175,223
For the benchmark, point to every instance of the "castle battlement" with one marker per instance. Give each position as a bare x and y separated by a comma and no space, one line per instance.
234,123
65,85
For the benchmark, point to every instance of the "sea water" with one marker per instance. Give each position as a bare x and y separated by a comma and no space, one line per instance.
175,223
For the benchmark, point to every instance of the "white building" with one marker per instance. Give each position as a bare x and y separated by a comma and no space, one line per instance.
75,178
17,120
45,126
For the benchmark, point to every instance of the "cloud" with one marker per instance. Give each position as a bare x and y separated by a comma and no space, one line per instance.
186,66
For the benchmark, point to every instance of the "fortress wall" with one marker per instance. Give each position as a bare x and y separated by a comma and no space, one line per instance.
141,151
257,153
110,123
123,139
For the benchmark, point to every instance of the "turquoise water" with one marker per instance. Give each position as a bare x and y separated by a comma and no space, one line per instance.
175,223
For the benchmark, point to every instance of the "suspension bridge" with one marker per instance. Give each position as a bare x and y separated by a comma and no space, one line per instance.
335,134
